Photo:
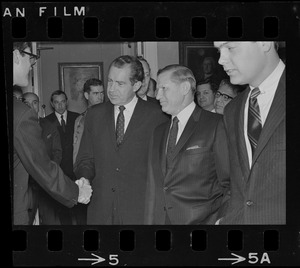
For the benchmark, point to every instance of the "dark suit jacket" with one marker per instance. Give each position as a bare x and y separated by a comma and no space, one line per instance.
258,194
66,141
192,191
30,156
153,100
117,175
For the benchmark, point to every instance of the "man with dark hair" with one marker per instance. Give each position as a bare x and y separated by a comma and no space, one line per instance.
29,152
255,122
64,121
143,91
188,169
205,95
114,147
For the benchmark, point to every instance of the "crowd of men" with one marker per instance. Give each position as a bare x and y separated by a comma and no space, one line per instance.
171,151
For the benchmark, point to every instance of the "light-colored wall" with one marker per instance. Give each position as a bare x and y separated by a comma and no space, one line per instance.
71,52
167,53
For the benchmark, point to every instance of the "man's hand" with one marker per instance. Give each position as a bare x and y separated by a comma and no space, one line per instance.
85,190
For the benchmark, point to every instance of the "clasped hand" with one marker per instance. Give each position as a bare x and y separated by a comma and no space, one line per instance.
85,190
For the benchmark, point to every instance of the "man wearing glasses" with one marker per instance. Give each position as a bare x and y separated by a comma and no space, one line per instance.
29,152
224,95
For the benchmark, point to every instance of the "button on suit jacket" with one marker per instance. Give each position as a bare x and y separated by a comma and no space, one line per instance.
117,174
192,191
258,193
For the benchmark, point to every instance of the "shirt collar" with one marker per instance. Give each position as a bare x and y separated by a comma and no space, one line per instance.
271,82
185,114
58,115
129,107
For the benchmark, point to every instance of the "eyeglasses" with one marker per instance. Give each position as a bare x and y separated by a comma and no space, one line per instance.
225,96
32,57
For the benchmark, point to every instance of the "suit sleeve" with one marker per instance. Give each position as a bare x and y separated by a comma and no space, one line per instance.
150,189
84,164
222,164
32,152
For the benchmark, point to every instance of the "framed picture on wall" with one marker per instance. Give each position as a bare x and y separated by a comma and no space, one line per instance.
201,58
72,77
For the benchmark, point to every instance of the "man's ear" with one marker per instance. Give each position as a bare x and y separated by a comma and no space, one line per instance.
137,86
16,56
266,46
185,87
86,95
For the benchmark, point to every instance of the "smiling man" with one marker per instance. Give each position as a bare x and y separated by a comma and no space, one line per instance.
255,123
188,169
113,152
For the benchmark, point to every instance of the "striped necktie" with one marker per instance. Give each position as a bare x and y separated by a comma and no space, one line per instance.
254,119
63,123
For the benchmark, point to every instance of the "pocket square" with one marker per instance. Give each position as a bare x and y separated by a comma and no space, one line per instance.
49,136
193,147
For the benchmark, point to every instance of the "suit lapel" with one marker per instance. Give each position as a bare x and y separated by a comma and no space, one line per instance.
274,118
163,146
136,120
110,122
241,146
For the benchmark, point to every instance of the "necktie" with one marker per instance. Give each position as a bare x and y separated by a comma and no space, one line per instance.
254,119
63,123
172,140
120,125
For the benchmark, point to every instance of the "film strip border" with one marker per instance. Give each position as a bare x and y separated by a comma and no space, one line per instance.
160,245
156,245
159,21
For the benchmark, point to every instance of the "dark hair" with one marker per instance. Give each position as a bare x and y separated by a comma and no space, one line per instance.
234,88
91,82
57,93
21,46
137,70
141,58
180,73
214,87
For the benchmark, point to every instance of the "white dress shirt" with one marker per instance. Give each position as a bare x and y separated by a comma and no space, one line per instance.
145,98
59,116
183,118
265,98
129,108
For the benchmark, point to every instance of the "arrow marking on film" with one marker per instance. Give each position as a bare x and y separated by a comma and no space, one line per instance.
237,259
97,260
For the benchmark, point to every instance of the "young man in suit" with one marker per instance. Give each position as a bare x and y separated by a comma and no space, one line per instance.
29,151
114,147
64,121
188,169
255,124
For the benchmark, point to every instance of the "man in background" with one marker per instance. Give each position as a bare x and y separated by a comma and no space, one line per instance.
29,151
64,121
93,92
255,124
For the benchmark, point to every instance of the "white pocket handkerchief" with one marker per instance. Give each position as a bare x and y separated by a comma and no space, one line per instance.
193,147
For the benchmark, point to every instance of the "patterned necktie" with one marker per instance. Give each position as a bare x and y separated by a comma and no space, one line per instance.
254,119
172,140
120,126
63,123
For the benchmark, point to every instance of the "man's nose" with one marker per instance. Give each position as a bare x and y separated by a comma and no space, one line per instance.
158,94
223,58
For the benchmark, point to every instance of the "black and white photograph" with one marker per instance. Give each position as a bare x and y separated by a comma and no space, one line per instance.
144,136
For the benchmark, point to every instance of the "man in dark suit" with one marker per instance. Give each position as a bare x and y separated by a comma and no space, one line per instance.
29,151
64,120
114,147
188,169
143,91
255,124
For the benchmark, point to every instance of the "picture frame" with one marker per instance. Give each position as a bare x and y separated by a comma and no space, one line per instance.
192,55
72,76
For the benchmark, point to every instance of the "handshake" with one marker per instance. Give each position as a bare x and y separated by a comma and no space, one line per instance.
85,190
